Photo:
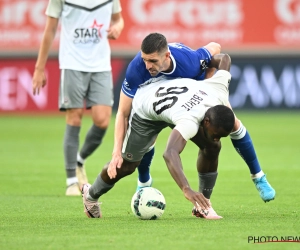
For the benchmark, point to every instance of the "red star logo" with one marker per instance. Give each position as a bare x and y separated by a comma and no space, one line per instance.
97,26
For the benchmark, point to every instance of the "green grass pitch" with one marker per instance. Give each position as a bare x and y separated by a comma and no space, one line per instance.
35,213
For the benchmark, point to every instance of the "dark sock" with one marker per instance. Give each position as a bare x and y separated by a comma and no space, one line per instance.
99,188
71,144
92,140
144,167
207,182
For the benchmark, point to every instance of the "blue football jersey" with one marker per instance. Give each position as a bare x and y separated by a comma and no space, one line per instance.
188,63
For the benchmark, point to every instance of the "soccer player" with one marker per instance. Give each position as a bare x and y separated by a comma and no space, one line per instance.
196,111
158,58
84,61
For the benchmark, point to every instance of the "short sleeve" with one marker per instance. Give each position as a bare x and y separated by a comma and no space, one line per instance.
133,76
187,128
221,76
54,8
224,73
204,54
116,6
204,58
127,89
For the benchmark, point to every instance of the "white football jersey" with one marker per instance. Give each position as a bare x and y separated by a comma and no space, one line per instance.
181,101
83,40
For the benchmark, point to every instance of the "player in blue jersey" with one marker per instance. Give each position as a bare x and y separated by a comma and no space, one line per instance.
157,58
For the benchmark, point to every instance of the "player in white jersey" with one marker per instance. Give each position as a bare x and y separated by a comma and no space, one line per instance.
86,78
197,110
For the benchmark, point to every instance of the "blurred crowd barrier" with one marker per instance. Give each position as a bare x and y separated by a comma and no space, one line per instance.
262,37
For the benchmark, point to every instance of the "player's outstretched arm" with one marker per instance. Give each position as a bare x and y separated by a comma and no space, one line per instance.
121,125
39,79
175,145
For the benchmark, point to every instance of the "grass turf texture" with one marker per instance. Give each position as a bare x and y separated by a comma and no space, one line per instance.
35,213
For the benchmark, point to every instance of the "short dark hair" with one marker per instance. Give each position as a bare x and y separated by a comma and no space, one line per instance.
154,42
221,116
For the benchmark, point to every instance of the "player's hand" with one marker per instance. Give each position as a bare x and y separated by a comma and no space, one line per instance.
116,162
39,81
113,32
198,199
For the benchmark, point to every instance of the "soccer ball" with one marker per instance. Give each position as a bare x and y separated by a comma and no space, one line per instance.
148,203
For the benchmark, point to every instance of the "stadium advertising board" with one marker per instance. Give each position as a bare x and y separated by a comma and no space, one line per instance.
16,86
259,83
237,25
256,84
22,24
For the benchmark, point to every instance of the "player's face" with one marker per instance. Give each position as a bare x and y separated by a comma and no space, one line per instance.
212,133
155,62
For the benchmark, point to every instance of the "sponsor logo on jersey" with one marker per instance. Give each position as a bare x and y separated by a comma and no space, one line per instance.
88,35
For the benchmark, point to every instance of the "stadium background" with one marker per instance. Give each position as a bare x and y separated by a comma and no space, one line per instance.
262,39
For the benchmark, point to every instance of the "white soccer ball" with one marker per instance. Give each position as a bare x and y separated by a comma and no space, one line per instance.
148,203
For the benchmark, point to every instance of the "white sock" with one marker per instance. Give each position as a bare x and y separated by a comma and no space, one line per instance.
257,175
145,184
71,181
79,159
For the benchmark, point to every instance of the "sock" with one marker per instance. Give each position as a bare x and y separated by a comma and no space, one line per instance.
71,144
258,175
145,184
144,167
242,142
80,161
90,197
207,182
99,188
71,181
92,140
